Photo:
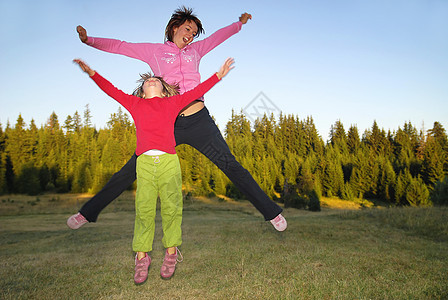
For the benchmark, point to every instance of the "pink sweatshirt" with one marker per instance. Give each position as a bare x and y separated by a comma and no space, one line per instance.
154,118
175,65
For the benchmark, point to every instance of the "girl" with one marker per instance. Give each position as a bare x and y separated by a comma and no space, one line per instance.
178,61
154,108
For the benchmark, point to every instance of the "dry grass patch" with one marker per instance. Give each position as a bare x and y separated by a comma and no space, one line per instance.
336,203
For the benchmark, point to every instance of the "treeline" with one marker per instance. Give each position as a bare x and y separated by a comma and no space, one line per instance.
287,157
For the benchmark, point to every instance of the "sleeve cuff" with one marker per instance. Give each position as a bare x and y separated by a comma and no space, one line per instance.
90,41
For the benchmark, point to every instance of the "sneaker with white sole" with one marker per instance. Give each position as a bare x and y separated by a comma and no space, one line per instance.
141,269
279,223
169,264
76,221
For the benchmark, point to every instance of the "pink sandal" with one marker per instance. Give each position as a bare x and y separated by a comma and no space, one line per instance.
279,223
169,264
141,269
76,221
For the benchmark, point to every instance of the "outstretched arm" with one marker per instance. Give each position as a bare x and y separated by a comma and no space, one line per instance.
124,99
225,68
209,43
140,51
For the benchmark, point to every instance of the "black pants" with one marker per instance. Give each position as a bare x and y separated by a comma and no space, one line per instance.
199,131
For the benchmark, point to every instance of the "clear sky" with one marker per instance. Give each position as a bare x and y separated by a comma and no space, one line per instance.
350,60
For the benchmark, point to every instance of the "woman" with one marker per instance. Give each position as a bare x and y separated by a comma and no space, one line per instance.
177,61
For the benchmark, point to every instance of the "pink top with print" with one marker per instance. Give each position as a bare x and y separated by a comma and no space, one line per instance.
175,65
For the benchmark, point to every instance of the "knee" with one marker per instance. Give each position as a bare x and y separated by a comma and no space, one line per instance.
230,164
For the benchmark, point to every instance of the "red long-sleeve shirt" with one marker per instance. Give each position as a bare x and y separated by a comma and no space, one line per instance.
154,118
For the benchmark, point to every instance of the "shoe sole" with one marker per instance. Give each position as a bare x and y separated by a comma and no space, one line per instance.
168,278
76,227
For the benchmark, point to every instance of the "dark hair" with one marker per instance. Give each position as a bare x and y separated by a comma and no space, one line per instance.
179,17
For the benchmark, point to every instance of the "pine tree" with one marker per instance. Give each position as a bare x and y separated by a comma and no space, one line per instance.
360,177
353,140
405,146
439,195
313,141
3,186
433,162
28,179
338,138
440,137
387,181
68,124
77,123
404,179
376,139
417,194
16,145
333,179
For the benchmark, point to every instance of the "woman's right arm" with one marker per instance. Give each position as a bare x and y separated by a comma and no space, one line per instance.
140,51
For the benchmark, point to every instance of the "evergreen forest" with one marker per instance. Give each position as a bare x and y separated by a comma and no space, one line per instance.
286,156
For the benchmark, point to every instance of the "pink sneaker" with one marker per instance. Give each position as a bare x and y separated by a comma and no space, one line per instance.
279,223
169,264
141,269
76,221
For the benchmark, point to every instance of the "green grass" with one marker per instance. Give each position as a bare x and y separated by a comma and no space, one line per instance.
229,253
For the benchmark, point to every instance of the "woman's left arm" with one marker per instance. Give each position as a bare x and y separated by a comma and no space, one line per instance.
206,45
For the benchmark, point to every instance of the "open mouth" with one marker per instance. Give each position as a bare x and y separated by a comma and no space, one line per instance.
186,40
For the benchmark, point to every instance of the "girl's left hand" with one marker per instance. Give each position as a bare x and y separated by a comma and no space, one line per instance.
226,67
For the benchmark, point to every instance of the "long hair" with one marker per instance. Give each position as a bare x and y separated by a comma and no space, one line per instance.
168,89
179,17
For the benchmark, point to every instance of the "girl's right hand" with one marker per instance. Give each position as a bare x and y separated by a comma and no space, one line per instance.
84,66
82,33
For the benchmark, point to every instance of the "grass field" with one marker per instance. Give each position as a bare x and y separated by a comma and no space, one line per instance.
229,253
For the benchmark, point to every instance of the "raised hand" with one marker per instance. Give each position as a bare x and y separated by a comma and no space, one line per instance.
84,66
245,17
82,33
226,67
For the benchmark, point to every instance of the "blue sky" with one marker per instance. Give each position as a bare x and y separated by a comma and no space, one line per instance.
351,60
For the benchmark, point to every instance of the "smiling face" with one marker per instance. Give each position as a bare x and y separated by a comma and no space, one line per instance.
185,25
184,34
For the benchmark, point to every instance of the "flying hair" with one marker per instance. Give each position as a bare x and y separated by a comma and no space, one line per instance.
179,17
169,90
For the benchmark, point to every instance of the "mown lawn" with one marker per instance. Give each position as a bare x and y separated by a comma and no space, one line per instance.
230,253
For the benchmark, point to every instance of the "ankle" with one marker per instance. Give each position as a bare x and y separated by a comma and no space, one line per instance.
171,250
141,255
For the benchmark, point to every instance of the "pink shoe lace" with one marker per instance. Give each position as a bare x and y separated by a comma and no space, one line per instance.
169,264
279,223
76,221
141,269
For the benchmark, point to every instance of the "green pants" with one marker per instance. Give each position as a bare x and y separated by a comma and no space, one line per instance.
158,176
